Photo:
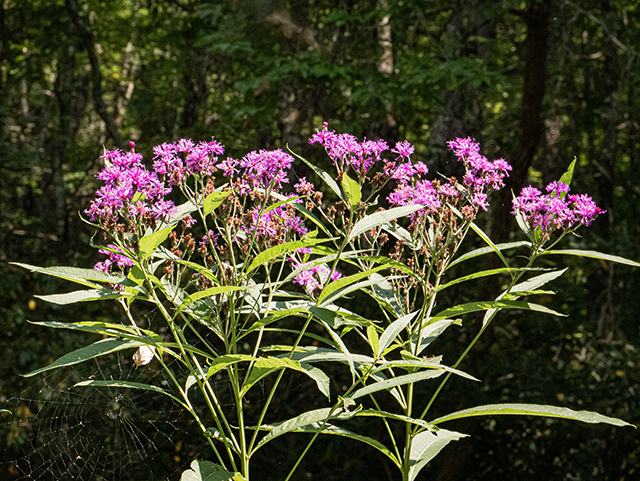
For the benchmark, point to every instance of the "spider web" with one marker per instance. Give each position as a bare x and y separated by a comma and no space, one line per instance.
58,432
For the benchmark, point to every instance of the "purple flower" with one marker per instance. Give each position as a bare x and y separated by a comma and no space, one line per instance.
267,166
555,210
313,278
403,149
303,187
117,257
209,239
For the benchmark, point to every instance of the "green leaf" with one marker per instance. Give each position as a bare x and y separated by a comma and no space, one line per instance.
226,360
84,296
304,419
372,337
212,291
333,185
568,175
351,191
484,305
480,274
208,471
524,287
426,445
214,200
379,218
594,255
346,281
104,328
265,366
276,251
532,410
487,250
489,242
150,242
310,215
98,348
392,331
343,348
430,333
398,417
311,421
387,384
75,274
127,385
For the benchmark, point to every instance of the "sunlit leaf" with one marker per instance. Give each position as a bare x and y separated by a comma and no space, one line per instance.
208,471
426,445
98,348
379,218
594,255
352,190
214,200
532,410
84,296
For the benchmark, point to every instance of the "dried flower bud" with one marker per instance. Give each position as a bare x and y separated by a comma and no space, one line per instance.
144,355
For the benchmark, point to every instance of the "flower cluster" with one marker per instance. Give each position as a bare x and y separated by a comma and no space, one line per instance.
555,210
199,159
130,191
115,256
481,175
275,223
314,278
346,151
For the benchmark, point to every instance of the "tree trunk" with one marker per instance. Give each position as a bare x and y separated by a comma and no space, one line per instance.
537,21
86,37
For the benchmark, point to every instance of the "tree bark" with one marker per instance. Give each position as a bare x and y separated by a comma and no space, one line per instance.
86,37
531,123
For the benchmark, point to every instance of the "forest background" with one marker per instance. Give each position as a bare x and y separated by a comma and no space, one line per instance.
536,82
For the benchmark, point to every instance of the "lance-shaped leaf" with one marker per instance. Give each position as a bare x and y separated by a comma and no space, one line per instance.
214,199
594,255
489,242
128,385
532,410
344,282
98,348
208,471
312,354
265,366
380,218
279,250
392,331
484,305
85,277
222,362
426,445
398,417
150,242
487,250
568,175
212,291
106,329
314,421
351,190
430,333
526,286
310,215
396,381
85,296
333,185
480,274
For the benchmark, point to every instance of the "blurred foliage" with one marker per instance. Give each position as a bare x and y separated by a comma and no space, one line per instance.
264,74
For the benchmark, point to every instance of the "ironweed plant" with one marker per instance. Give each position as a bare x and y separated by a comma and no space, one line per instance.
236,263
